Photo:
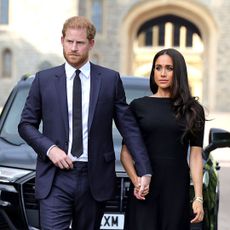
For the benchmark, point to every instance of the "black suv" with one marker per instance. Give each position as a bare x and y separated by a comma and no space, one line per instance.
18,207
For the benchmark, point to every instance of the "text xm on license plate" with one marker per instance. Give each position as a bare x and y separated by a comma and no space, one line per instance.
113,221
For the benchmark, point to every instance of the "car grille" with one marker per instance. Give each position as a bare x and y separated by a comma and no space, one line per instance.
118,204
28,195
3,224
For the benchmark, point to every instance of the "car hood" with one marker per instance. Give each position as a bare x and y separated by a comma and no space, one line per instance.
18,156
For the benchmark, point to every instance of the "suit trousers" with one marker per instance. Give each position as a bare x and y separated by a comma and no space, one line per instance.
70,202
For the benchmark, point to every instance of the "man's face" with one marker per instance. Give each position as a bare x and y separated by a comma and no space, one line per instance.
76,47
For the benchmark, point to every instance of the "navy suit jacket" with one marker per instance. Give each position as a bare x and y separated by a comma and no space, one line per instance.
47,102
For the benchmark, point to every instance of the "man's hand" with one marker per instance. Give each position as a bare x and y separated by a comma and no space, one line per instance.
142,189
60,158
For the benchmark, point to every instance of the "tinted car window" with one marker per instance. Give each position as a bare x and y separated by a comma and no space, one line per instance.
9,130
132,93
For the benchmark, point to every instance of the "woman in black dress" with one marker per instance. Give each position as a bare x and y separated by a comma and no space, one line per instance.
171,121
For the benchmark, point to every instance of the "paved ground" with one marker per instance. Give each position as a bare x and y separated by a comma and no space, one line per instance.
224,208
222,120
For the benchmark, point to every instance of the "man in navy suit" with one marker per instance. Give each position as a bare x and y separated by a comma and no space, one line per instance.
69,187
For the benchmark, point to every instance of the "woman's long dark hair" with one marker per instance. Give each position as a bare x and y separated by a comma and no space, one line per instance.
184,105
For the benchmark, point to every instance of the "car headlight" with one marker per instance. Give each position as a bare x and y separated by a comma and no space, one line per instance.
206,179
9,175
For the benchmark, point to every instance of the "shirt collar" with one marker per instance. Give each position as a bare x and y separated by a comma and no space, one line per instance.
70,70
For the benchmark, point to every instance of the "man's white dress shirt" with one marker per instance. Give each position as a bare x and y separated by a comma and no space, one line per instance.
85,84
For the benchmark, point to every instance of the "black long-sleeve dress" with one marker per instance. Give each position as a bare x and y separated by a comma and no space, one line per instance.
167,205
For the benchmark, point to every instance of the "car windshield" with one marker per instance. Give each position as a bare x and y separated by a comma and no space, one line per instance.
9,131
132,92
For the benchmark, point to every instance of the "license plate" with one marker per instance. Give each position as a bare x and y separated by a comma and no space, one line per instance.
113,221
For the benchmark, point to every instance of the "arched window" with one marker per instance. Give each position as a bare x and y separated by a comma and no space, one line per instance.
7,63
168,30
4,12
97,14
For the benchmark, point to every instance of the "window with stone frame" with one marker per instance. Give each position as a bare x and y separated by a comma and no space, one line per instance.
97,14
4,12
6,63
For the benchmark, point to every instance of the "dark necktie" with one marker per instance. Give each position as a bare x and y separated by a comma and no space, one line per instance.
77,144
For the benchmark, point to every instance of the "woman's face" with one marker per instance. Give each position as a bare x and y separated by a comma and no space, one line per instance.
163,72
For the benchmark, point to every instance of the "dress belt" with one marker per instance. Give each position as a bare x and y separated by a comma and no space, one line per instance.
79,163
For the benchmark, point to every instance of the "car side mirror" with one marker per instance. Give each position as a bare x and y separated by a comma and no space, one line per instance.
218,138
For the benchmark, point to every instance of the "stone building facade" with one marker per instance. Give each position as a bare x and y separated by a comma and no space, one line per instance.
129,33
30,38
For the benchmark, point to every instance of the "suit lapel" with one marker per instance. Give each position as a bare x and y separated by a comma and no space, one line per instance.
60,83
94,92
